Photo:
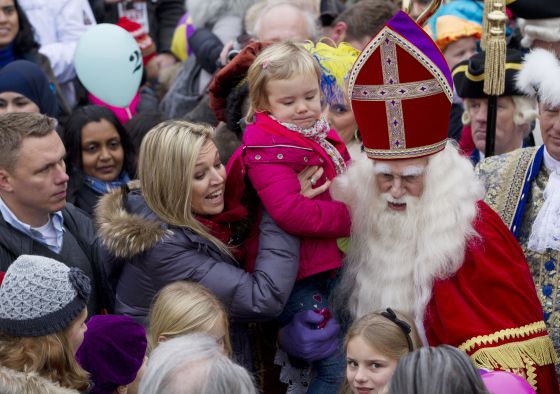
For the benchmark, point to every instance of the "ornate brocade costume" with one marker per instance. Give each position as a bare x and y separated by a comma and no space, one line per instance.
515,184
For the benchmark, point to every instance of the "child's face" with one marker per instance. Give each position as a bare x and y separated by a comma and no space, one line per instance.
459,50
296,100
76,330
368,371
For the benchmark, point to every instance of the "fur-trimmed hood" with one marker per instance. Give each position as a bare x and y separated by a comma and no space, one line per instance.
126,226
16,382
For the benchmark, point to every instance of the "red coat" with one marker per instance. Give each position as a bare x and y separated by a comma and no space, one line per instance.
490,309
274,156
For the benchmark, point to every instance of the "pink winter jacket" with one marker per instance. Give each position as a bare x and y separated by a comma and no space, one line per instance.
274,155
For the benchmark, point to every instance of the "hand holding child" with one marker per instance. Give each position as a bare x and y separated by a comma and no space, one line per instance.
308,178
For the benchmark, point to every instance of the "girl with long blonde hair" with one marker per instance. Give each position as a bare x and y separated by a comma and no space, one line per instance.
184,307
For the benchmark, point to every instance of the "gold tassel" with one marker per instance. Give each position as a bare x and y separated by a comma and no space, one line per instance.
514,356
485,12
495,62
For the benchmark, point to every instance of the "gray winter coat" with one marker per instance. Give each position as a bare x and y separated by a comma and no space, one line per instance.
147,254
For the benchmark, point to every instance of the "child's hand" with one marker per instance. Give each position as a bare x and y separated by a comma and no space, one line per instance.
308,178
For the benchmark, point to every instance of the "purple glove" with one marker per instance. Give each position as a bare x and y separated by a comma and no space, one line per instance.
302,339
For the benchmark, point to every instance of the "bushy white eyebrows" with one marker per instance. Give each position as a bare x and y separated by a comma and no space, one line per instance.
413,170
382,168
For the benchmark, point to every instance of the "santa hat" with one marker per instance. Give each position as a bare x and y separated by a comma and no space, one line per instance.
539,76
143,40
401,91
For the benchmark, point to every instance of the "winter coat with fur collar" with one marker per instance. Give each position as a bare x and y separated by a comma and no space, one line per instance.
16,382
146,254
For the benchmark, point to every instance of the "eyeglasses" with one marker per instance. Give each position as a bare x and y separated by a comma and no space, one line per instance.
404,326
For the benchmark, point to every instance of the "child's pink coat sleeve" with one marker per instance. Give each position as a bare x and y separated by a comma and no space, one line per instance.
279,189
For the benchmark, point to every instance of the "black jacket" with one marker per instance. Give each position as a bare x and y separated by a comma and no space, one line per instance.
80,248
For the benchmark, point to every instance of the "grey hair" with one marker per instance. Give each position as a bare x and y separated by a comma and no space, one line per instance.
194,364
436,370
311,21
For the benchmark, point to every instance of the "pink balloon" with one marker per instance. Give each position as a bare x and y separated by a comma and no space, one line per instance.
500,382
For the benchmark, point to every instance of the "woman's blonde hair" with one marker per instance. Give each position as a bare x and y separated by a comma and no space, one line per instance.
184,308
166,166
279,61
50,356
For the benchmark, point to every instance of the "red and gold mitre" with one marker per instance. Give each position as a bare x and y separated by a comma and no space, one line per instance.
401,91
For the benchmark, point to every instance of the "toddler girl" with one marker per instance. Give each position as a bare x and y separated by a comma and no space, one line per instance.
374,344
288,134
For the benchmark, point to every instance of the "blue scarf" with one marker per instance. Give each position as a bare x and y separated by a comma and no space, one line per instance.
102,187
7,55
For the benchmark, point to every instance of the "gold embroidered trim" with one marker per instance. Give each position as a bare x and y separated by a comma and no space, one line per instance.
426,62
397,91
387,34
512,357
394,112
518,332
385,154
514,176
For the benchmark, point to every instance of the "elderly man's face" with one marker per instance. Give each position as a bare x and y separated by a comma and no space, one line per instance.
399,179
509,136
282,23
549,118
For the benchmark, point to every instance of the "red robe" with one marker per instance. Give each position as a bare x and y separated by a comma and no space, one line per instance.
490,309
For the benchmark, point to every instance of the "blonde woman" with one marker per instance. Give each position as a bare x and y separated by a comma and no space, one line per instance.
181,226
182,308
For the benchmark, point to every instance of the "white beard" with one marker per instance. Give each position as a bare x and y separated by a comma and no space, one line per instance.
394,257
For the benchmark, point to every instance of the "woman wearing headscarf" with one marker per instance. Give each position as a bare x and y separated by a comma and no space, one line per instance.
17,43
24,87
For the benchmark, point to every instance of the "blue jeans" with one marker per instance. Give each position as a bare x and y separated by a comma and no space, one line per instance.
312,293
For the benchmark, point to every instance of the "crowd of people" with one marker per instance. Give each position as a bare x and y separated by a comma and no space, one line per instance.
297,198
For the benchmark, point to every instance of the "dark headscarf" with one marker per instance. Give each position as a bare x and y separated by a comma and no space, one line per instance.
27,78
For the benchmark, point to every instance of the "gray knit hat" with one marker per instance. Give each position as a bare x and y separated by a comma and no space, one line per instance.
40,296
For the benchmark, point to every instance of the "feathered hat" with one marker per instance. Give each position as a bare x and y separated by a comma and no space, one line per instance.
539,77
401,92
335,64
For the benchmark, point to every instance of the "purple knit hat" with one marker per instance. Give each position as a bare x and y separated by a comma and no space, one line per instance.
113,351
